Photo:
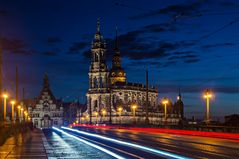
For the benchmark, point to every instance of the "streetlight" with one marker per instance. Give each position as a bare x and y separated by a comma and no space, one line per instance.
87,118
26,114
96,115
207,95
134,107
120,109
13,103
103,113
165,102
5,96
19,109
21,113
82,120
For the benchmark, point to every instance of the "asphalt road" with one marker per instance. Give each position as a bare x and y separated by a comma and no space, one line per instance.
187,146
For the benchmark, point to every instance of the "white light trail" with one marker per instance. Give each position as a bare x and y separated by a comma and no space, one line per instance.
159,152
90,144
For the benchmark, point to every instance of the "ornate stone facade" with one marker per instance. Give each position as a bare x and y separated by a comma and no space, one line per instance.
46,112
109,91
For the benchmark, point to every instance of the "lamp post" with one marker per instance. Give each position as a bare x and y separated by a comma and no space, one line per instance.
19,109
82,120
103,113
13,103
87,118
21,113
165,102
96,115
134,107
207,96
26,114
5,96
120,111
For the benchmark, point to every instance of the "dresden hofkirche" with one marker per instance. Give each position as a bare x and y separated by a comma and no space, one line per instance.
46,111
109,89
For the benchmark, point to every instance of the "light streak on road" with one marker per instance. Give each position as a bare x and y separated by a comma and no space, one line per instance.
220,135
159,152
90,144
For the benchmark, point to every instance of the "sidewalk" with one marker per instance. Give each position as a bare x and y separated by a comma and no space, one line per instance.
25,146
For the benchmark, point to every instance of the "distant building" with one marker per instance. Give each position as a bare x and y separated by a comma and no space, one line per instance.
232,120
72,112
46,111
179,106
109,90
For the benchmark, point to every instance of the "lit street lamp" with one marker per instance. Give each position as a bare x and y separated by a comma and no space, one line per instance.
207,96
103,112
96,115
165,102
19,114
120,109
13,103
5,96
82,120
134,107
87,118
26,114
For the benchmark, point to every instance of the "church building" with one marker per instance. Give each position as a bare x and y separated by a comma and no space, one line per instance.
110,94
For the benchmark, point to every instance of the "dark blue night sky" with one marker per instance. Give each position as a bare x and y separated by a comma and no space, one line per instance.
191,45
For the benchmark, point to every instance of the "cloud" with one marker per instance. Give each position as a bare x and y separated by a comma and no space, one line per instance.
186,58
16,46
185,9
192,60
50,53
216,45
53,40
77,47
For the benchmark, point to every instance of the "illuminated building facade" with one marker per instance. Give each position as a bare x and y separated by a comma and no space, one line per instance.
46,111
109,89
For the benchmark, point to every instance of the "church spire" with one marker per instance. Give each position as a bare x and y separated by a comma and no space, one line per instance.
179,95
116,40
116,62
98,25
46,82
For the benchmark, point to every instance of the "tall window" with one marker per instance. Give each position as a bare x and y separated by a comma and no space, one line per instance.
95,83
96,57
101,82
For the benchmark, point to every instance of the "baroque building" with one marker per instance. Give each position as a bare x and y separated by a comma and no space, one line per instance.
109,90
46,112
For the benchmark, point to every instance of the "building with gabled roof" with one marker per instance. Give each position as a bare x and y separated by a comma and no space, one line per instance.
46,112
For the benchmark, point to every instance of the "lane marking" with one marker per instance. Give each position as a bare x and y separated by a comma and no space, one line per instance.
90,144
159,152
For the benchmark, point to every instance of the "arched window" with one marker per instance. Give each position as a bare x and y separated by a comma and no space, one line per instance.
95,105
101,82
96,57
95,83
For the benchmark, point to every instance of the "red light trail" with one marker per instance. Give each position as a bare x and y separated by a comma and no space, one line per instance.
221,135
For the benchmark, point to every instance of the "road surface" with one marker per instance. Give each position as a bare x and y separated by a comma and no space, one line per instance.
184,146
58,146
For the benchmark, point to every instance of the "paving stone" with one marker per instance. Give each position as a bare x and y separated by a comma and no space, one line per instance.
24,146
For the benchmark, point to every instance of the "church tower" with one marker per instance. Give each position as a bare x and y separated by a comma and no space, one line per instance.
98,95
117,73
98,75
179,106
